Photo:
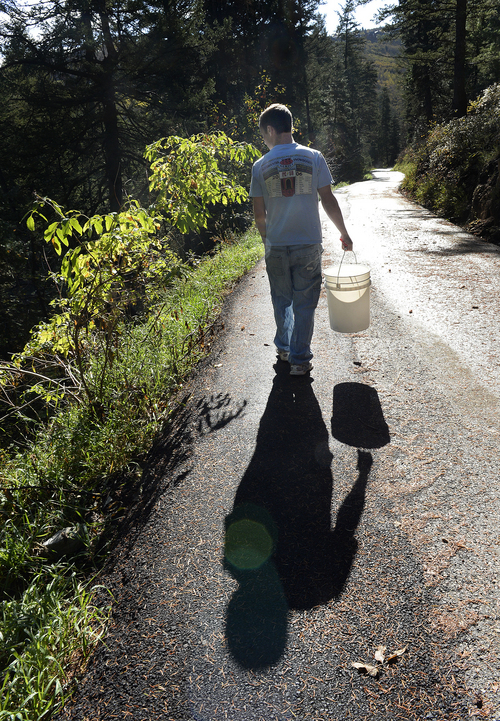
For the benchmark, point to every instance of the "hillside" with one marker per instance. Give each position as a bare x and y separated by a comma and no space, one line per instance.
385,53
456,171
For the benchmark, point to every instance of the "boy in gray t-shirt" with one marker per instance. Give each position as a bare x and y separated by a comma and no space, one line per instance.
285,187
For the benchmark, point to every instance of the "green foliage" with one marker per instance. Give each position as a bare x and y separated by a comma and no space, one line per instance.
110,265
255,38
78,469
81,97
92,86
342,97
451,51
117,265
129,324
188,176
443,172
39,647
385,52
243,122
387,146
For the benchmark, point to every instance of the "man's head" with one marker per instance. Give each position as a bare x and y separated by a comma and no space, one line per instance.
278,117
275,125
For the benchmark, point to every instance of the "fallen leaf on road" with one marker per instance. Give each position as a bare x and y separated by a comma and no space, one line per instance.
396,654
367,668
380,653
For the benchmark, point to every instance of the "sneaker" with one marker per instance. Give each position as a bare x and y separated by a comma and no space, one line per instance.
283,355
302,369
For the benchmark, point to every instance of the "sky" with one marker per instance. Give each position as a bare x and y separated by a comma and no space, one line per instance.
364,14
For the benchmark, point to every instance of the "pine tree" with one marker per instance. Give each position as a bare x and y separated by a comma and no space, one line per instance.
355,99
256,39
384,144
105,75
452,50
459,103
84,86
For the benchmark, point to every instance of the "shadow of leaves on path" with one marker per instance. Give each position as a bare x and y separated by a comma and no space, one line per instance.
216,412
280,545
167,464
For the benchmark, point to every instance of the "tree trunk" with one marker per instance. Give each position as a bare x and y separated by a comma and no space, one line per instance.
111,142
112,149
459,93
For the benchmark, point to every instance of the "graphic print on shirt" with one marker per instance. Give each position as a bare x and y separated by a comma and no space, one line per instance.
288,176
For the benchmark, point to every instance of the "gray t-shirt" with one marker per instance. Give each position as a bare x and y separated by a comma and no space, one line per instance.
288,178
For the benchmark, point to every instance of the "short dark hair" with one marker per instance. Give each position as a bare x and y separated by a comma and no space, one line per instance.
278,116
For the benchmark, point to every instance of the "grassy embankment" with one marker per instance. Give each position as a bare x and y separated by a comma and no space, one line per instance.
454,171
49,622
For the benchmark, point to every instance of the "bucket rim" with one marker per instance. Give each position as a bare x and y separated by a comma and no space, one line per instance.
345,269
346,275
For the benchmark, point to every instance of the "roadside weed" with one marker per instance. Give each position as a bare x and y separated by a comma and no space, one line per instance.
46,635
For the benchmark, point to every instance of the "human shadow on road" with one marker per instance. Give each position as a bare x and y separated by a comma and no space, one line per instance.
280,545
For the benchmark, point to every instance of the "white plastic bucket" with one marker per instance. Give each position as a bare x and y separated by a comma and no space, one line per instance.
348,295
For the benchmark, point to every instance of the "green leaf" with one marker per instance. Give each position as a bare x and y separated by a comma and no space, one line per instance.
74,222
30,222
56,244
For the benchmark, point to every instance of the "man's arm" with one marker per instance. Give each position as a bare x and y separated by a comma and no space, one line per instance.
332,209
259,213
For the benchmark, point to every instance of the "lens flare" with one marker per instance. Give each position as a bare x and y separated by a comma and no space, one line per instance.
248,544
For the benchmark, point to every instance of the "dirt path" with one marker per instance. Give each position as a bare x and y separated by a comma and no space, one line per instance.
377,481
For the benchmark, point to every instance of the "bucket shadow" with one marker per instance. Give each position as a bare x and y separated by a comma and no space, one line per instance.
357,417
280,545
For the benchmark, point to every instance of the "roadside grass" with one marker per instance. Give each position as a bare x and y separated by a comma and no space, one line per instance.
48,633
346,184
49,618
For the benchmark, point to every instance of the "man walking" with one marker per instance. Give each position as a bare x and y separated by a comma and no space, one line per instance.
285,187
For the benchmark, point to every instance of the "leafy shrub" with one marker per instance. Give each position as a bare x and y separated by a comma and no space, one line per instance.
130,324
117,266
443,172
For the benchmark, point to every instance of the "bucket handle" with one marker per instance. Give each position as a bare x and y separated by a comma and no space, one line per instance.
341,261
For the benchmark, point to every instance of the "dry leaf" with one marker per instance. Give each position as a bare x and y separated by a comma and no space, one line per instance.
396,654
367,668
380,653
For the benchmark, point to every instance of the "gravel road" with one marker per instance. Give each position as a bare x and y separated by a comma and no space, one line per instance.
375,481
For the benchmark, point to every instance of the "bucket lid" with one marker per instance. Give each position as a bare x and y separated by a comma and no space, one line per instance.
353,273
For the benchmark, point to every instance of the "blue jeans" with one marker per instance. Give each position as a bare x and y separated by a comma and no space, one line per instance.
294,273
